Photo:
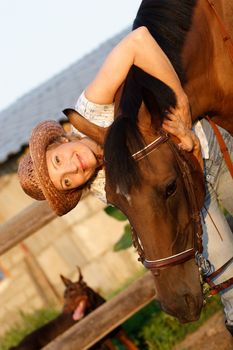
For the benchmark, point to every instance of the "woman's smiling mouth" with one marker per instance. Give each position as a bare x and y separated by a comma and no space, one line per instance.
81,162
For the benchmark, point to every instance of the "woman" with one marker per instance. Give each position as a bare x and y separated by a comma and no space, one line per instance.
58,168
51,174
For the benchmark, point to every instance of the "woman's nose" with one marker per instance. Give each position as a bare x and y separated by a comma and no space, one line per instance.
72,167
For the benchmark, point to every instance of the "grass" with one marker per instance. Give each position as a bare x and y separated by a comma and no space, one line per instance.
152,329
28,322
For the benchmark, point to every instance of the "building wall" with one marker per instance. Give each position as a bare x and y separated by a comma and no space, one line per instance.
83,238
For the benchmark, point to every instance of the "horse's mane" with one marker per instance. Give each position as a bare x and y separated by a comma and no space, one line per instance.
168,21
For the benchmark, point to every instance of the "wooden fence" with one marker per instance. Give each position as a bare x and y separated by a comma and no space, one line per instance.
22,225
101,321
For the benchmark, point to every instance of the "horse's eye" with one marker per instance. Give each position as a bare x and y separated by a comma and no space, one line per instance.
171,189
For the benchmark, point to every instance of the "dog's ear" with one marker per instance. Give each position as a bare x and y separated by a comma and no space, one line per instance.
80,275
66,281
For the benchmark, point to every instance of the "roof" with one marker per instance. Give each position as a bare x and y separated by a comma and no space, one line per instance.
49,99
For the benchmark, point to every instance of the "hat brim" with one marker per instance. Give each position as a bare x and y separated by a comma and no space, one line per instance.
42,136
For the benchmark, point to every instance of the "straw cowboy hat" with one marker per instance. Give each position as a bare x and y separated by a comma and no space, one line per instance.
33,172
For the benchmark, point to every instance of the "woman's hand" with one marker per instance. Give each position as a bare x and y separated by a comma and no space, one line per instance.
176,126
182,110
188,140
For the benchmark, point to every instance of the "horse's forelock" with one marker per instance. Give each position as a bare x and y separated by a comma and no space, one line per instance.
122,140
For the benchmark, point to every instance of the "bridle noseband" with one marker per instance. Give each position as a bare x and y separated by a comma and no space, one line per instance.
156,265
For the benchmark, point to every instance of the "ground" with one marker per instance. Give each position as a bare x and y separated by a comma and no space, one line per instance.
211,336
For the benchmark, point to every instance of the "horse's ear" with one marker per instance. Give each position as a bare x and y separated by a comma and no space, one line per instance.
80,274
66,281
147,124
95,132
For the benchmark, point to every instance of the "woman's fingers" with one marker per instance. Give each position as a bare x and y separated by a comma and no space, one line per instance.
186,146
171,116
183,111
178,123
170,122
170,128
184,135
175,127
172,111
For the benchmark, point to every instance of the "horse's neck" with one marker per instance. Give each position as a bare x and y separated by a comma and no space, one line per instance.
206,60
225,9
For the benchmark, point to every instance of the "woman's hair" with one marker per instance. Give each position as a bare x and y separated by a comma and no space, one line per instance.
59,140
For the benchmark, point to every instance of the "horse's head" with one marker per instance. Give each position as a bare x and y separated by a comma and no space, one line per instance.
75,297
164,216
163,211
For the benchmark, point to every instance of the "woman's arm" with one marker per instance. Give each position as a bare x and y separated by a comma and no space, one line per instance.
137,48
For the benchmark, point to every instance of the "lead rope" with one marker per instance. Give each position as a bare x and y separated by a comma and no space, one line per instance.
208,213
216,288
222,145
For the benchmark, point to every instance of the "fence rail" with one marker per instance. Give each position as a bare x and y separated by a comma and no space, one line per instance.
22,225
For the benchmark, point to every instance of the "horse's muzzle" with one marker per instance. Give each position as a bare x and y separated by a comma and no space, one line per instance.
185,308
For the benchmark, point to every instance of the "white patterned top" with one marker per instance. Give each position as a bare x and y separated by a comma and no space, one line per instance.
101,115
198,129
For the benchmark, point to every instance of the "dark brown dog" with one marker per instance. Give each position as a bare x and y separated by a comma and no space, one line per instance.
79,301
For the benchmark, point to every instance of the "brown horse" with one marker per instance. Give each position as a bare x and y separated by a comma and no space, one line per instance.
159,188
79,301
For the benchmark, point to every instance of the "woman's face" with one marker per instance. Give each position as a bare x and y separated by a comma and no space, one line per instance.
70,164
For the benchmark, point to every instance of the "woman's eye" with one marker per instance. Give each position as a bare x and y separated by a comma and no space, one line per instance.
171,189
57,160
67,183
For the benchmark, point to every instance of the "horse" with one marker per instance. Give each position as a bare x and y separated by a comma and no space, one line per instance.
79,301
157,186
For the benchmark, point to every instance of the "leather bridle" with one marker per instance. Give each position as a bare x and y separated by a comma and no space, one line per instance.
181,257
